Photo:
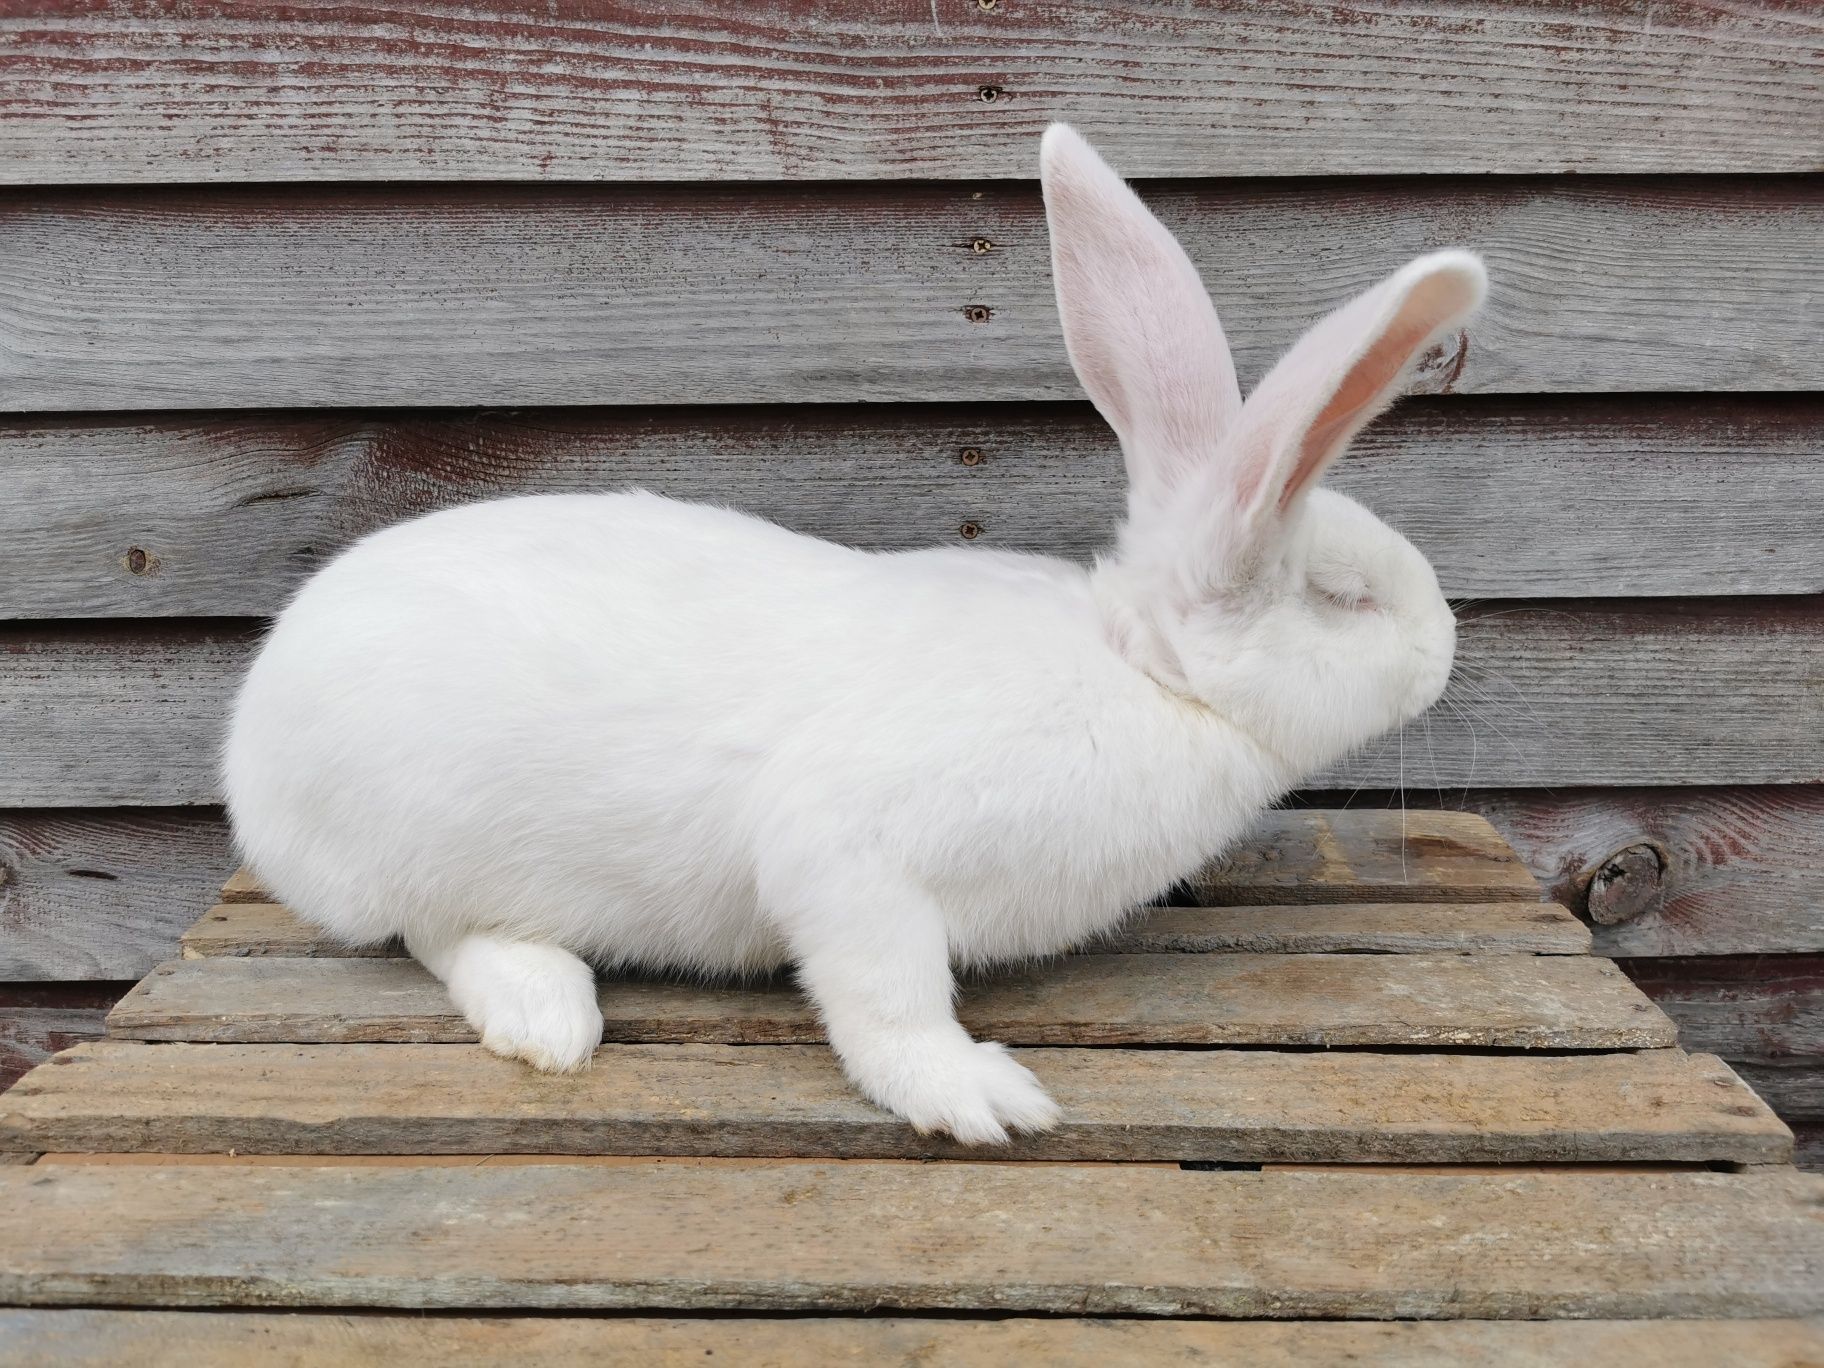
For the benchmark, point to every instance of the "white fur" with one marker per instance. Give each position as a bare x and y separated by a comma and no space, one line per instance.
628,731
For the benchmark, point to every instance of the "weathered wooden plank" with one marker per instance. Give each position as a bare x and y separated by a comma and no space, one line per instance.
99,894
1222,1105
503,91
1367,855
38,1019
1375,928
1686,871
1753,1008
179,1339
1565,1002
1624,692
938,1236
242,887
530,294
213,514
265,929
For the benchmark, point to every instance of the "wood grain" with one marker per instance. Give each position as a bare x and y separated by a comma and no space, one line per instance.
938,1236
39,1019
225,514
787,90
1754,1008
97,894
119,299
1560,1002
1589,693
1235,1106
180,1339
254,930
1742,869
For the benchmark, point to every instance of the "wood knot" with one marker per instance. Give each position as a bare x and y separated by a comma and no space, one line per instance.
1439,369
140,561
1625,885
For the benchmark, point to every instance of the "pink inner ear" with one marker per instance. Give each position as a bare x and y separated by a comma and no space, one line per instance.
1368,385
1141,331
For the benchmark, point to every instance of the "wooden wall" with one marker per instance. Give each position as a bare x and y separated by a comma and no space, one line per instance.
274,275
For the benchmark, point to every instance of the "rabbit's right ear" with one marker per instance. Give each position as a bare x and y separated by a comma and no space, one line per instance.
1142,334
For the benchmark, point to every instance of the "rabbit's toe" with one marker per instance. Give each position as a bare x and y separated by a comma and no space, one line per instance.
530,1002
975,1093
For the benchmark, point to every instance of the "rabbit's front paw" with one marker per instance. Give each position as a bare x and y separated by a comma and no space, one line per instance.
974,1091
530,1002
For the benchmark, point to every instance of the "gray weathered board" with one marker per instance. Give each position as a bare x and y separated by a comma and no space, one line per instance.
217,515
788,89
179,1339
1562,1002
1235,1106
257,929
113,299
1617,692
864,1236
103,895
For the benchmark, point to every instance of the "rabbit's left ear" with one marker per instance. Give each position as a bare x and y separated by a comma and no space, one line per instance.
1340,374
1143,336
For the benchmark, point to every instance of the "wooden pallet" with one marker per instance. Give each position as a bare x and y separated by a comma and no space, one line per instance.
1510,1161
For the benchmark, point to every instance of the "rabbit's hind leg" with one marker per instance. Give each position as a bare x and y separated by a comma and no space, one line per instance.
528,1000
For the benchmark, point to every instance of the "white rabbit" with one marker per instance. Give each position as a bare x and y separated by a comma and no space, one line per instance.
542,732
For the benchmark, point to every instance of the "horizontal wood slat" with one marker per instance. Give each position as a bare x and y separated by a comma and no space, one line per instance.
102,894
954,90
1755,1008
1563,1002
525,295
38,1019
940,1236
254,930
723,90
181,1339
1624,692
1701,871
221,514
1229,1106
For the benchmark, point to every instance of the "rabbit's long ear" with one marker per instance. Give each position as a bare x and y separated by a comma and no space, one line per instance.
1142,333
1340,374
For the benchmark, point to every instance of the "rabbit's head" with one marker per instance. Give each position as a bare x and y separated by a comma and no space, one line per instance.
1288,609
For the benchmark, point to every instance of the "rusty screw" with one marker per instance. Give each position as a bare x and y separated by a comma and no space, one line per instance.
970,531
988,94
971,456
978,313
986,4
981,246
